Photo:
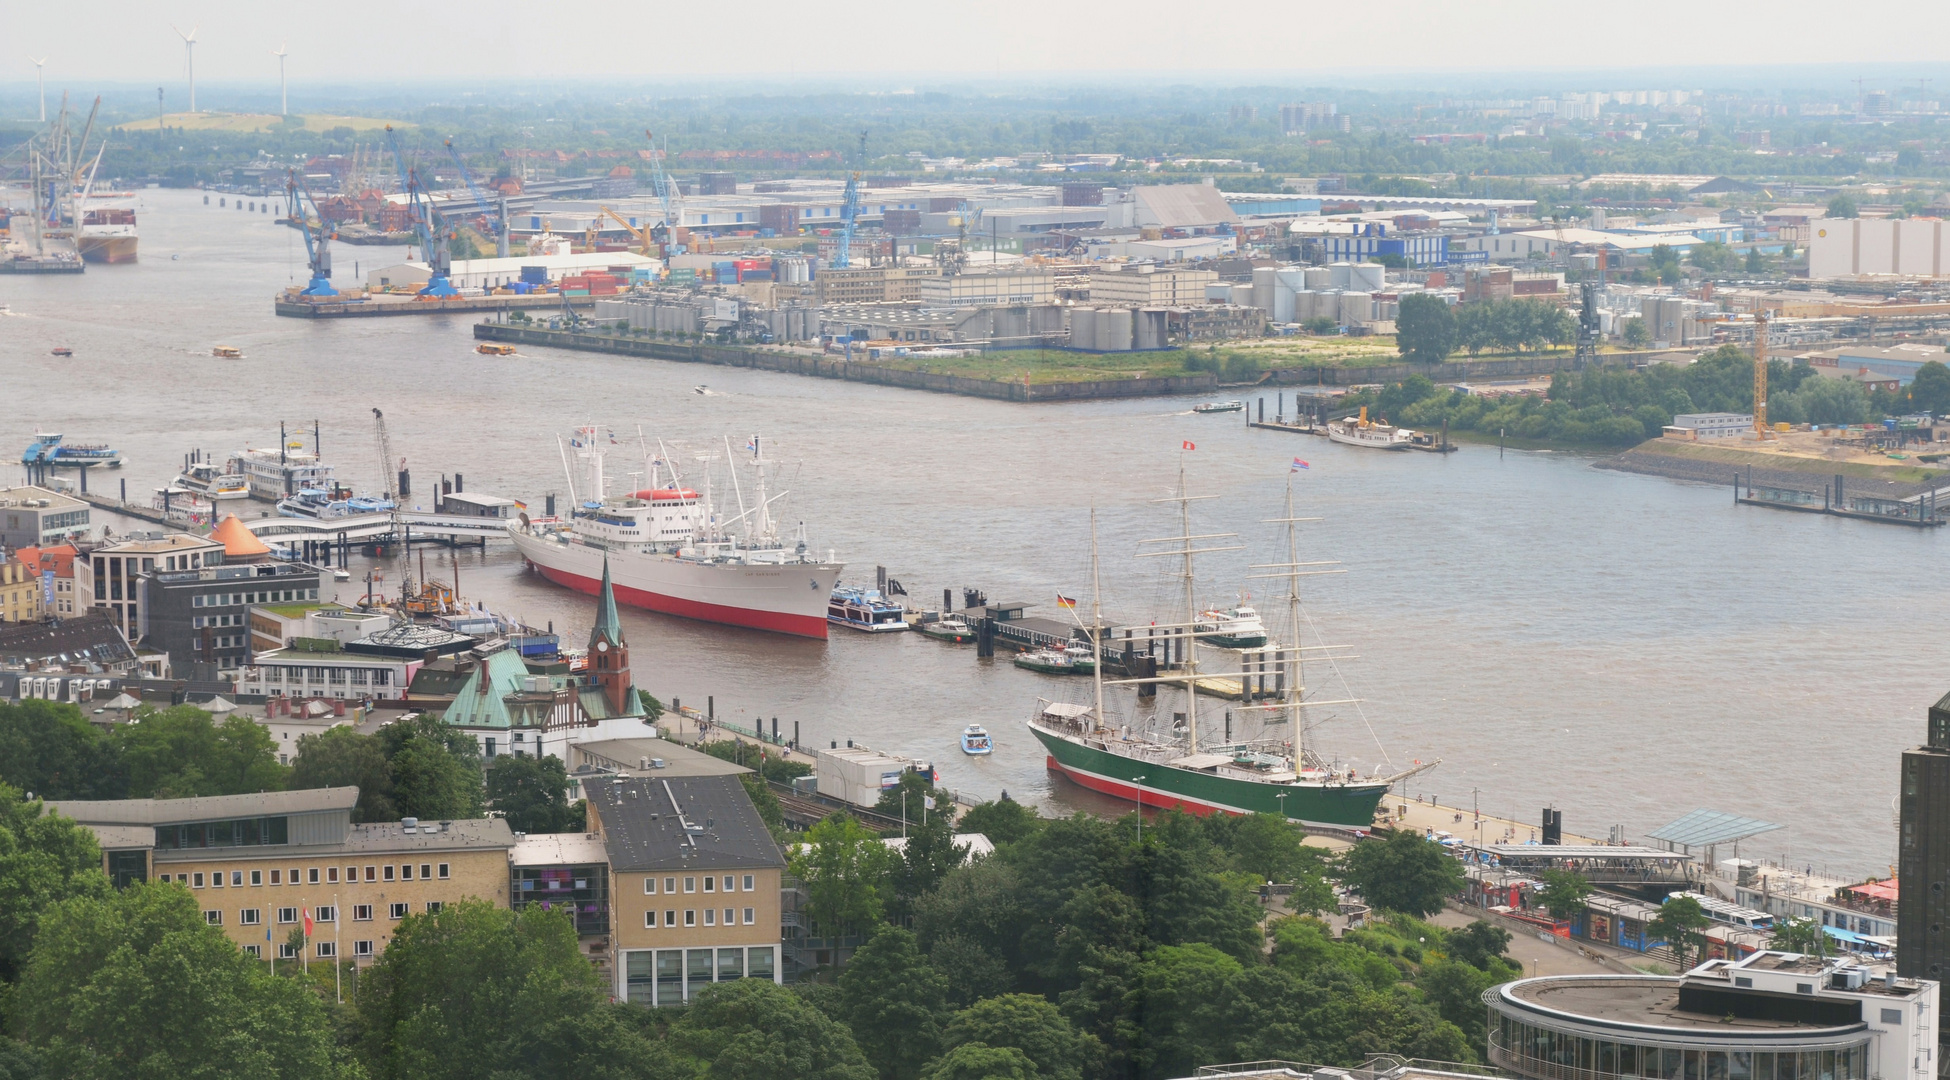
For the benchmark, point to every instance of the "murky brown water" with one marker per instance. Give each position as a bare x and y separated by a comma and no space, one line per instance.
1626,647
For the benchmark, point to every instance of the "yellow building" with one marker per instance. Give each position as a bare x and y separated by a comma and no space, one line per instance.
1148,285
20,593
261,864
874,284
694,880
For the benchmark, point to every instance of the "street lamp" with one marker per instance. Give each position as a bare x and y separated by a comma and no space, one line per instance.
1139,781
1281,799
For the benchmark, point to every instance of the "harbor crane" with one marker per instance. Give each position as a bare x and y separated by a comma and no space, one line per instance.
495,220
667,192
318,252
850,210
642,234
388,478
439,259
1761,430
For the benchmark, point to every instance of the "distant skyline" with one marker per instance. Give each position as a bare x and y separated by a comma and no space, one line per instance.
495,42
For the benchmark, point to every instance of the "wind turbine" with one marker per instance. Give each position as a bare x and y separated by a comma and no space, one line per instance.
284,99
189,51
40,81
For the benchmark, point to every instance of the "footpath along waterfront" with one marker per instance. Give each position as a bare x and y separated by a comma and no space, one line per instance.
1626,647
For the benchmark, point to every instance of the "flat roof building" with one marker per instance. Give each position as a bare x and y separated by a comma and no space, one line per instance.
33,516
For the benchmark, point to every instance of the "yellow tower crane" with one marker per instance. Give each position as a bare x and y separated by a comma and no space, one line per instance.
642,234
1761,430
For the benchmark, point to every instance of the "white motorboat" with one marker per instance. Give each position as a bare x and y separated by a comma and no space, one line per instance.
1374,434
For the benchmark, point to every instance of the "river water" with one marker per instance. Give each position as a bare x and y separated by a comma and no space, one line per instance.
1627,648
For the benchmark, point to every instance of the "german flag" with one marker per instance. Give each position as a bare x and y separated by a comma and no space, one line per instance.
1064,601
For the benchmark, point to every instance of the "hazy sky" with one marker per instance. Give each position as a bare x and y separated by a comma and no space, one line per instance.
483,41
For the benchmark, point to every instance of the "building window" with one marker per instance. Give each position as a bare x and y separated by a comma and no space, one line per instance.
690,884
751,916
370,870
690,917
758,963
670,918
362,913
214,918
670,884
749,882
426,871
389,871
397,911
730,917
196,881
406,871
286,951
216,880
362,948
237,878
327,950
445,872
649,920
257,877
649,886
331,875
327,913
249,916
710,916
277,877
710,884
287,915
351,874
254,951
311,875
433,907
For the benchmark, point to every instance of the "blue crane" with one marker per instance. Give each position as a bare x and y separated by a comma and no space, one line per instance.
496,221
439,261
318,255
850,211
673,208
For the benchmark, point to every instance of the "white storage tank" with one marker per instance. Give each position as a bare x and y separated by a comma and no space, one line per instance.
1319,278
1303,306
1356,307
1114,331
1263,277
1151,333
1083,328
1368,277
1343,275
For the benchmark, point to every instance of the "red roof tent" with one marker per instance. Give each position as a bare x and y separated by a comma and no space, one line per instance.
1874,890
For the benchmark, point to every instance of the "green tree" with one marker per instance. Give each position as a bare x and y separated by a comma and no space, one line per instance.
1800,936
754,1029
341,757
1755,264
1269,847
1030,1024
971,926
1664,264
1930,392
1712,256
479,991
652,708
50,750
179,752
1478,944
1563,893
136,984
1320,326
1004,821
1678,924
436,769
907,800
532,793
979,1061
1425,329
44,859
1403,872
895,1003
844,867
927,856
1843,206
1473,327
1179,985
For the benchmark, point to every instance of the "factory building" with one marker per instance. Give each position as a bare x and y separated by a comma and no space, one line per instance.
1850,247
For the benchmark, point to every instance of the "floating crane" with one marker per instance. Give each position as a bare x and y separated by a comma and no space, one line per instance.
439,260
850,211
495,220
318,252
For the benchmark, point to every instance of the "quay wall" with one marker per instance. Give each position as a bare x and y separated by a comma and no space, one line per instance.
1515,367
828,367
367,309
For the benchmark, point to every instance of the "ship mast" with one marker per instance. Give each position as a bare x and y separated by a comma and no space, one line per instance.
1097,626
1185,550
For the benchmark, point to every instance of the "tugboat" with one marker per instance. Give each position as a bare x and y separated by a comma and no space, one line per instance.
865,609
975,741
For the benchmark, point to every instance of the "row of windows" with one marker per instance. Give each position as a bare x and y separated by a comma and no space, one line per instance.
358,676
313,875
323,950
690,917
672,976
1533,1049
262,596
201,621
241,832
690,884
328,914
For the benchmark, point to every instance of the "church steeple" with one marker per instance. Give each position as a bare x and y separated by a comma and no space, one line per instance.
609,654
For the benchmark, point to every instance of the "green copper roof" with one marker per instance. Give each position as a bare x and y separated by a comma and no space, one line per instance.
504,673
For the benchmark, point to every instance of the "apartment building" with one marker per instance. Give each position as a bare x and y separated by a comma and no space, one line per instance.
1148,285
20,592
259,865
110,580
30,516
54,565
694,885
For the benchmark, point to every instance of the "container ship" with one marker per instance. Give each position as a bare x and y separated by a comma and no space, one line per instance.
668,552
1263,768
106,235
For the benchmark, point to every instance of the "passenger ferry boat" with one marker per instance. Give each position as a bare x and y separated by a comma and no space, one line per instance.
227,352
274,474
975,741
327,506
212,482
668,550
489,348
865,609
1272,771
1219,406
1236,627
49,449
1374,434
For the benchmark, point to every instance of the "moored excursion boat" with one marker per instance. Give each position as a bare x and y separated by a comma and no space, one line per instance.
1048,661
1236,627
865,609
214,483
1219,406
950,628
1374,434
975,741
1270,771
